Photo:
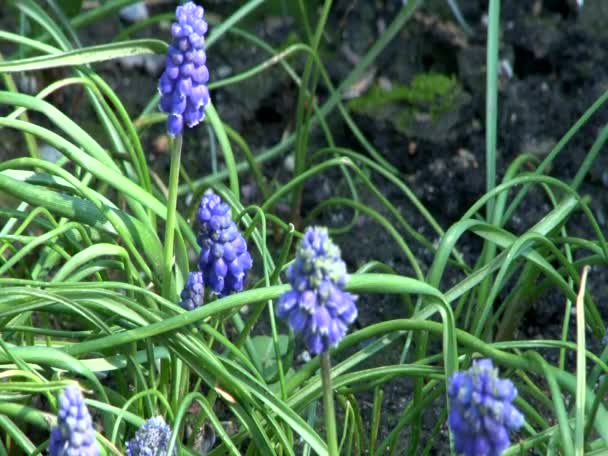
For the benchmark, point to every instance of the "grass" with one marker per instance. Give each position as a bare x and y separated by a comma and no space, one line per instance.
89,286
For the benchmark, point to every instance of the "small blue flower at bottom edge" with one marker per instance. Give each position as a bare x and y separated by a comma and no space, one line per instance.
151,439
74,434
481,410
317,306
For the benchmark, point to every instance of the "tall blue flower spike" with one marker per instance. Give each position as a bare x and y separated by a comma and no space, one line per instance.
193,294
183,84
317,305
151,439
74,434
481,410
224,259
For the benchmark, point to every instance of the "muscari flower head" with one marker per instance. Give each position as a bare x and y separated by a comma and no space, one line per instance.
183,84
151,439
74,434
482,413
317,305
224,259
193,294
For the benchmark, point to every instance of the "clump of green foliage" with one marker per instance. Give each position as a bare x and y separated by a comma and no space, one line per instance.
431,99
432,93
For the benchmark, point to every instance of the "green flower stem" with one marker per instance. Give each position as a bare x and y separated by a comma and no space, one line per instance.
492,98
581,368
176,153
328,405
489,249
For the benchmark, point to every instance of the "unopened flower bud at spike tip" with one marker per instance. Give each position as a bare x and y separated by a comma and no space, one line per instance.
151,439
481,410
225,259
183,84
317,305
74,434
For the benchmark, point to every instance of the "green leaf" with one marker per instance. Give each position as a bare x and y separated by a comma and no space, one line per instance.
264,349
86,55
70,7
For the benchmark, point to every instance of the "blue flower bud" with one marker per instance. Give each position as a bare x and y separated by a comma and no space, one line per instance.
317,305
193,294
481,410
224,259
183,84
74,434
151,439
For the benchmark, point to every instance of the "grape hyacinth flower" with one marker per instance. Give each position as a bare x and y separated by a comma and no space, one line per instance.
151,439
317,305
183,85
193,294
74,434
224,259
481,410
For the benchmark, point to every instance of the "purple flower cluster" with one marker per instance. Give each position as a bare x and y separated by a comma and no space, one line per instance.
193,294
183,84
151,439
317,305
224,259
481,410
74,434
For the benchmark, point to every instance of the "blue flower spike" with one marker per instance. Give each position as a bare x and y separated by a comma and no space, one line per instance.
183,84
225,259
74,434
481,410
151,439
317,305
193,294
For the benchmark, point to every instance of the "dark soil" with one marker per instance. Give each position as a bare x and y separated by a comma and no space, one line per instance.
554,67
